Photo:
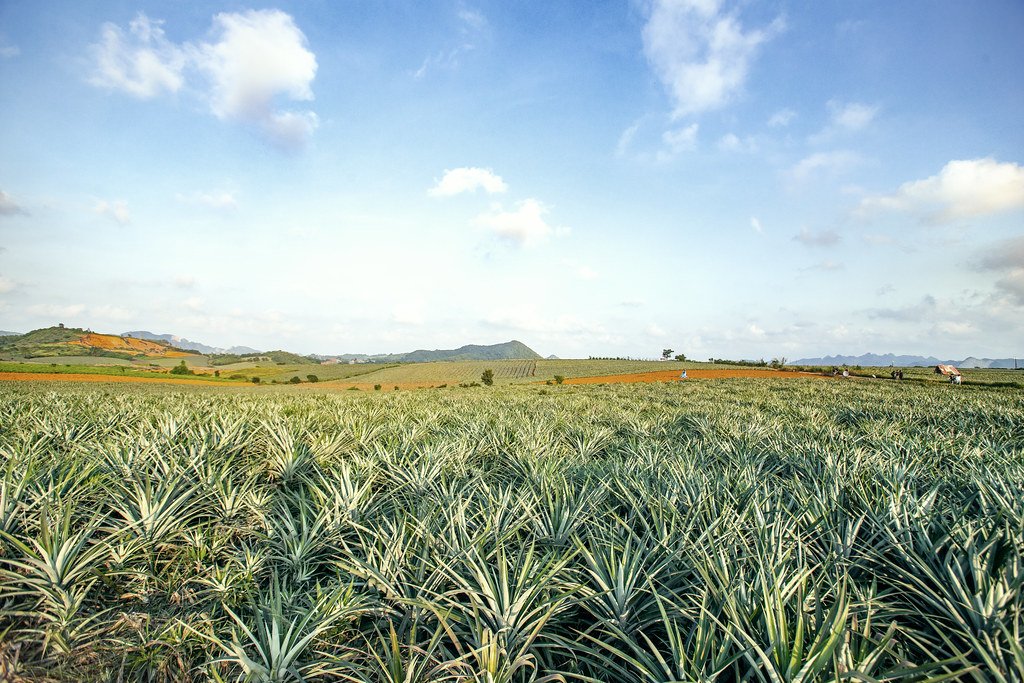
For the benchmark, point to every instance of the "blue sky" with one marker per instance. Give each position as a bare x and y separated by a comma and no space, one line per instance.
607,178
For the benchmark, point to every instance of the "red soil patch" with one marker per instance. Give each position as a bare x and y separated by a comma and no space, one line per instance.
673,375
110,342
76,377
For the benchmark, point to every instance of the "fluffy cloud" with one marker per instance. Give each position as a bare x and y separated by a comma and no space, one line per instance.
142,62
6,284
467,179
755,223
700,52
9,207
56,310
116,211
258,58
524,226
825,238
962,189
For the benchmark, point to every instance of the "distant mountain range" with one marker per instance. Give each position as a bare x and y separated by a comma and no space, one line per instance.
885,360
511,350
5,333
182,343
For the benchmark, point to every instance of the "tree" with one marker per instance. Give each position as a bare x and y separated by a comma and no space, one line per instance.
488,377
295,380
255,380
559,379
666,354
680,356
312,378
181,369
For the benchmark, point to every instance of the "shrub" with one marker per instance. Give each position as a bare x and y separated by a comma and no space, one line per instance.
255,380
181,369
295,380
216,373
488,377
559,379
376,387
312,378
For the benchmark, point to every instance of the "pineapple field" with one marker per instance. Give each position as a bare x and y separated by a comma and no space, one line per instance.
715,530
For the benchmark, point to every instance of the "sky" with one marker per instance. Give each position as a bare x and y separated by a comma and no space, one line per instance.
728,180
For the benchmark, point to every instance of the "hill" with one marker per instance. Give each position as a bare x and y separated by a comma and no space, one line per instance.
72,341
885,360
511,350
6,333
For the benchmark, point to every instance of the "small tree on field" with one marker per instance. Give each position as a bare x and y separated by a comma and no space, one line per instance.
181,369
559,379
666,354
295,380
488,377
376,387
255,380
680,356
312,378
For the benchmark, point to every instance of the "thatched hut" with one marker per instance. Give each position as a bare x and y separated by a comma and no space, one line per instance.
947,370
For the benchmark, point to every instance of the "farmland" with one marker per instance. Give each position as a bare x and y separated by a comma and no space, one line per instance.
738,529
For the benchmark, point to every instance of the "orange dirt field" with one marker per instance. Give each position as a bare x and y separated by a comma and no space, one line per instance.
673,375
76,377
112,342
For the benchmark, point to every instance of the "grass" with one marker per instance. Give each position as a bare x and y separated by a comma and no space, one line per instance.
756,530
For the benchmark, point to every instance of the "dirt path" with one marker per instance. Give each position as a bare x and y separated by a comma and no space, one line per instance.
81,377
673,375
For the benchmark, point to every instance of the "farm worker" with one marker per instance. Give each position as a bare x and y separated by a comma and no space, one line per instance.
683,376
846,373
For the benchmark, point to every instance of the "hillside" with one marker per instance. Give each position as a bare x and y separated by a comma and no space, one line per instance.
71,341
511,350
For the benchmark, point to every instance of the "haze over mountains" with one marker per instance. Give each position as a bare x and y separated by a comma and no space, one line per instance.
187,344
885,360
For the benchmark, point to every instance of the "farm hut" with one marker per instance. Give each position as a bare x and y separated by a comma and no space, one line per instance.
947,370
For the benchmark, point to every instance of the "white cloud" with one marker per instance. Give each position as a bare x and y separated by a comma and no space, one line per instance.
214,200
827,162
782,118
853,116
678,141
1013,285
626,139
185,281
655,330
524,226
730,142
825,238
962,189
8,51
7,284
845,118
700,52
142,63
110,312
467,179
259,58
116,211
586,273
9,207
755,223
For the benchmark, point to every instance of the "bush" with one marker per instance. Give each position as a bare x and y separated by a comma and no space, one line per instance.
376,387
559,379
216,373
295,380
255,380
488,377
312,378
181,369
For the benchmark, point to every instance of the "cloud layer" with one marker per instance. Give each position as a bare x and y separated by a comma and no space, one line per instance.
524,226
257,58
